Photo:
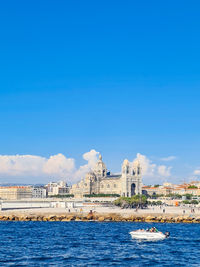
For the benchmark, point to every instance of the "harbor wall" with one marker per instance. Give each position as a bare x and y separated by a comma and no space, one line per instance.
112,217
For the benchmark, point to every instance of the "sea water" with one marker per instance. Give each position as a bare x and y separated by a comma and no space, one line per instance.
96,244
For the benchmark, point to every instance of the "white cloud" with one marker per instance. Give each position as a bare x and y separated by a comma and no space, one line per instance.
197,172
153,173
21,165
170,158
91,157
164,171
59,166
37,169
148,168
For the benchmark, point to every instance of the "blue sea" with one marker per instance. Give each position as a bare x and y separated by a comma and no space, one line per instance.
96,244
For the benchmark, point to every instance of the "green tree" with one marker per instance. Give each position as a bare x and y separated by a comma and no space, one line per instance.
192,187
188,196
174,196
131,202
195,202
186,201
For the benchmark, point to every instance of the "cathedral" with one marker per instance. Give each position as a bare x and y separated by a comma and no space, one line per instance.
100,181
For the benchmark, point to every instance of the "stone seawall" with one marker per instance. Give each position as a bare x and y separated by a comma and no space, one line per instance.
112,217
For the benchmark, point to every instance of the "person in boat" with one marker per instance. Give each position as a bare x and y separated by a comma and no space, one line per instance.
153,230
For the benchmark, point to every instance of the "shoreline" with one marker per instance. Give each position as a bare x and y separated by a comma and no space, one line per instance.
111,215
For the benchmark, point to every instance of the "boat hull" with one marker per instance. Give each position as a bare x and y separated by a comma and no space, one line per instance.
142,235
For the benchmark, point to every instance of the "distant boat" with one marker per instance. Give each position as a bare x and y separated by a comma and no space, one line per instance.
152,235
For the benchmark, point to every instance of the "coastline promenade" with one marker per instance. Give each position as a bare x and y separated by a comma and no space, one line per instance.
99,213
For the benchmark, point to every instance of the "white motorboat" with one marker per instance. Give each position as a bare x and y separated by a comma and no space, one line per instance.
148,235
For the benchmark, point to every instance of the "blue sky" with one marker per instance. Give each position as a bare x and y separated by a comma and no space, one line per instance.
118,77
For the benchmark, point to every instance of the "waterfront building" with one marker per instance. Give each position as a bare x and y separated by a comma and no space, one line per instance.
154,190
39,192
195,183
192,188
100,181
57,188
15,192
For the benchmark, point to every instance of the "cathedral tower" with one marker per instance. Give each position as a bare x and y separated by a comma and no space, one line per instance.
100,168
131,178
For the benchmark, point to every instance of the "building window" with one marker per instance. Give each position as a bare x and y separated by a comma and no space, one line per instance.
85,184
127,170
102,186
108,186
115,185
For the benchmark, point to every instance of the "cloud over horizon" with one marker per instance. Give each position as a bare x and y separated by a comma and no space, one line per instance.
153,173
24,168
197,172
42,169
170,158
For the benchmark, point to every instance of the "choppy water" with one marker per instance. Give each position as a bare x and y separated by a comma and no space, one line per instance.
95,244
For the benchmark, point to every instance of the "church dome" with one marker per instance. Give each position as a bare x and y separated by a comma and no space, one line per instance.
100,167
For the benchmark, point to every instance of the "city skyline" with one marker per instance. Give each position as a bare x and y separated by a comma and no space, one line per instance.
31,169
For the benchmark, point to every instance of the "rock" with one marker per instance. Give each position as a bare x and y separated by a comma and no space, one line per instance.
40,218
187,221
138,219
65,220
169,219
33,218
128,219
58,219
149,218
62,217
197,219
108,218
133,218
21,218
90,217
3,218
51,218
71,218
101,219
159,218
12,218
78,220
116,217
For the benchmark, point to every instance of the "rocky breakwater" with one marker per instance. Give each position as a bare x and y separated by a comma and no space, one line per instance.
112,217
